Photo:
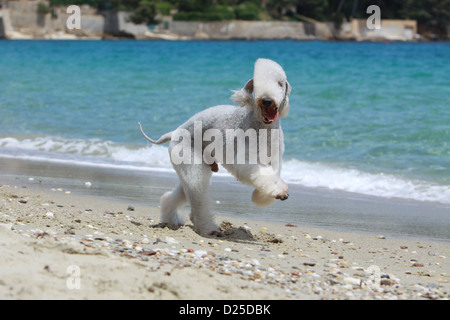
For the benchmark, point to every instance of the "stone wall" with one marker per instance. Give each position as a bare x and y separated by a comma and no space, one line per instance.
250,30
24,14
28,23
391,30
395,30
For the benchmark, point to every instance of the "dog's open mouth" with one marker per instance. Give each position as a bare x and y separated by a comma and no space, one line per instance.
270,114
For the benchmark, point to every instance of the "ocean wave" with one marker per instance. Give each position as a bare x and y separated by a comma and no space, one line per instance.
96,152
317,175
88,150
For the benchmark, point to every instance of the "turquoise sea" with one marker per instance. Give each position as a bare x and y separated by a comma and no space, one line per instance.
370,118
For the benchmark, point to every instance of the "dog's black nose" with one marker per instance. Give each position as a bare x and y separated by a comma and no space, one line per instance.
266,102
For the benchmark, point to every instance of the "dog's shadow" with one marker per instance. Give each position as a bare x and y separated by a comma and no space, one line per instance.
229,232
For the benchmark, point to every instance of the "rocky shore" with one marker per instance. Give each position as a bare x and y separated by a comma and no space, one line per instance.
22,20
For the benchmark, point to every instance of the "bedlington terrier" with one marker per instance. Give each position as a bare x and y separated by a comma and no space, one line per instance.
237,137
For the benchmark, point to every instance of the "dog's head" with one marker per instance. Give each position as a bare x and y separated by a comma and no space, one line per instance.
267,92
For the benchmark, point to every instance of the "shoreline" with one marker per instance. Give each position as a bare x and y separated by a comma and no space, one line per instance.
122,252
114,38
310,207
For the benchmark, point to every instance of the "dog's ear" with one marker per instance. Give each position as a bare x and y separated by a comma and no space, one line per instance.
285,108
244,97
249,86
288,88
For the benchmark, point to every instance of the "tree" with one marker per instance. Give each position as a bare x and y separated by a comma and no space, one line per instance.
431,15
144,13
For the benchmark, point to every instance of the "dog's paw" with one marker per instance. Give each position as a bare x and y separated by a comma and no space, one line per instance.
174,221
206,228
282,197
261,199
281,191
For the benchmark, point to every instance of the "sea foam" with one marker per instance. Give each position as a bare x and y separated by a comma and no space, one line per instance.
95,152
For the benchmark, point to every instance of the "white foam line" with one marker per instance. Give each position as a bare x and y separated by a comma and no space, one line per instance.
90,164
350,180
107,154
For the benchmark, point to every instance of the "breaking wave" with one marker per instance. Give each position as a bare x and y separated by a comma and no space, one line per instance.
95,152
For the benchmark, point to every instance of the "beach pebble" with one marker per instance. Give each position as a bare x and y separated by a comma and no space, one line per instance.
70,231
148,252
170,240
127,243
50,214
309,264
291,225
255,262
200,253
330,265
352,281
130,208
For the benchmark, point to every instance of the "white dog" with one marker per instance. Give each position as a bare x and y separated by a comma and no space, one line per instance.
262,101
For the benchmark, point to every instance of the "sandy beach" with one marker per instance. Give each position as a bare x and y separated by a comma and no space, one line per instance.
58,243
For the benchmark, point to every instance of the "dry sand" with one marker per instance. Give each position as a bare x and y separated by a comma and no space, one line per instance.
55,244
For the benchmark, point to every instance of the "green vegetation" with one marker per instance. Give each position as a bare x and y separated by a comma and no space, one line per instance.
432,15
144,13
201,10
42,8
216,12
248,11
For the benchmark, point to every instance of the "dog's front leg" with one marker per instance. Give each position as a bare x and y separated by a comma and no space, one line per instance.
268,188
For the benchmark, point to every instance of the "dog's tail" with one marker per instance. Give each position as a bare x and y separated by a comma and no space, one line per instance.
163,139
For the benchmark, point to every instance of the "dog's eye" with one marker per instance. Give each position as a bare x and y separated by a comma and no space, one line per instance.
280,83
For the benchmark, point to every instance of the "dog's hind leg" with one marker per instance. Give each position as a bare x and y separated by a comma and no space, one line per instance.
169,204
195,180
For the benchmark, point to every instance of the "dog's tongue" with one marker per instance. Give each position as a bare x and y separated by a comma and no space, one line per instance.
270,114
